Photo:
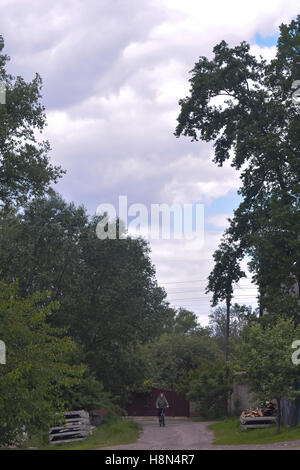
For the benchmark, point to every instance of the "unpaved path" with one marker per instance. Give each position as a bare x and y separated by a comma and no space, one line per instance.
188,435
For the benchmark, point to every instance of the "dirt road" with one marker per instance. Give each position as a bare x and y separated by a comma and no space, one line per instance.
188,435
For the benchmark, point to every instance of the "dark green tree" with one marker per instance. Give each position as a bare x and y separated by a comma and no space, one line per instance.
37,368
240,316
221,281
245,106
269,234
25,170
175,352
108,294
258,120
186,322
209,385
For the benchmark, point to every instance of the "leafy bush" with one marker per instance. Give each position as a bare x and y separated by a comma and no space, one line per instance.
209,386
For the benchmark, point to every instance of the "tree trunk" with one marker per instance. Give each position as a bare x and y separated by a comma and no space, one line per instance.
278,422
226,411
228,300
227,329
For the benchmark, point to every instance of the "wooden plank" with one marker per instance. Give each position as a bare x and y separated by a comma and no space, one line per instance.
76,427
65,441
255,426
70,427
257,418
75,435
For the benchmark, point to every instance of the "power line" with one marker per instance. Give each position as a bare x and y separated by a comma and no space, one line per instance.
197,290
208,298
189,281
182,282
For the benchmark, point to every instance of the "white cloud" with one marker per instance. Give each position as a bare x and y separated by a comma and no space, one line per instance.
183,268
219,220
113,73
267,53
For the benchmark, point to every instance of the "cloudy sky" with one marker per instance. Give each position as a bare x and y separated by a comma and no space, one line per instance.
113,72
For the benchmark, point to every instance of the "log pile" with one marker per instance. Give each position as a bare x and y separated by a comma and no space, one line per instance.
259,417
269,409
77,427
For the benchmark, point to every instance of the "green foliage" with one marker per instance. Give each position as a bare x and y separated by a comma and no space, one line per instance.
266,356
258,119
185,322
209,386
109,298
221,280
177,351
226,272
88,394
240,316
25,170
272,240
37,365
110,418
259,125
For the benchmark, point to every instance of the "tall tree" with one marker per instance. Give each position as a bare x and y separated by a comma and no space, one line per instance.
258,120
221,281
108,294
25,170
245,106
37,368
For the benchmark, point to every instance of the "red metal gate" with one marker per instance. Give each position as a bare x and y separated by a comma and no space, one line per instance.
143,404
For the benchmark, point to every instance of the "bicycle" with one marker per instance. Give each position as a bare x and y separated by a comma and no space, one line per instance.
161,417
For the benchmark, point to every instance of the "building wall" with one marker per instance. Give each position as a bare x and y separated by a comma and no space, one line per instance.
241,398
289,412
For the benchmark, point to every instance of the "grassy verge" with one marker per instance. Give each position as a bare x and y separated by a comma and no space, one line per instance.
228,432
120,432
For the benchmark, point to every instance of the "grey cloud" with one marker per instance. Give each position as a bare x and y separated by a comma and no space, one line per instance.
72,44
113,73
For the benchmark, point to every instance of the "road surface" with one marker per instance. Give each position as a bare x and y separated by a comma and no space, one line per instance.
188,435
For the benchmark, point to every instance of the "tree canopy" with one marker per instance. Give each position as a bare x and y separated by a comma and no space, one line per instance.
243,104
37,365
25,169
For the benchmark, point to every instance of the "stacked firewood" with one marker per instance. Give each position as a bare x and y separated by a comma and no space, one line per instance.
269,409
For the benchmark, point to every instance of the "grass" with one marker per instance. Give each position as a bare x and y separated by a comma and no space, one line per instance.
228,432
121,432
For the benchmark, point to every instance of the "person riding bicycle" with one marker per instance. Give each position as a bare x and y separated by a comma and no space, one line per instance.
161,403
